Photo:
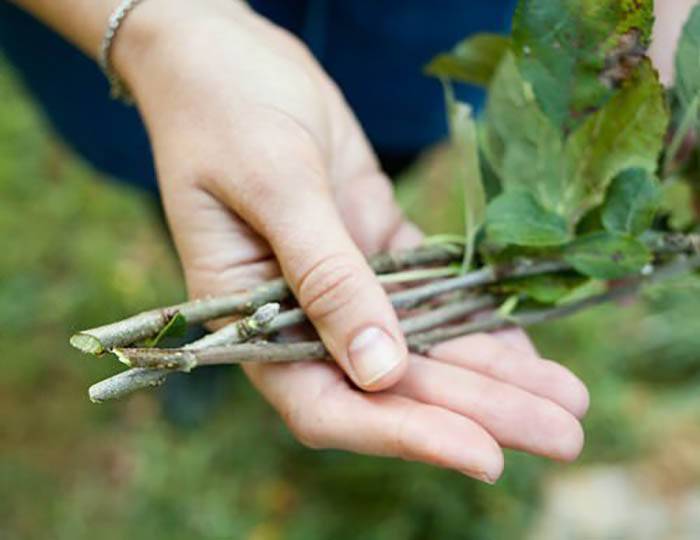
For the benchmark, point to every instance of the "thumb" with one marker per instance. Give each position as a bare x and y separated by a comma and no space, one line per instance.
340,293
333,282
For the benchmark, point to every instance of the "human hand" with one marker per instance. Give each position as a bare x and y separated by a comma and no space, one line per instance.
260,160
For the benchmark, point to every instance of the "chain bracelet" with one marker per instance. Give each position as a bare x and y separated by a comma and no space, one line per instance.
118,89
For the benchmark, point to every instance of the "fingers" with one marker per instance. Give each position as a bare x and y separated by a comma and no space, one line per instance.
514,417
324,412
368,208
341,295
220,254
287,199
516,338
488,355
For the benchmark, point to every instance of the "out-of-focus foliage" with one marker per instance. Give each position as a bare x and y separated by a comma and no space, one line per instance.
687,65
463,138
573,103
633,199
569,51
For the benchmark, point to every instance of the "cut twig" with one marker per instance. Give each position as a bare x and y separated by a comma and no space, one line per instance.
149,323
446,313
259,323
422,343
136,378
188,357
125,383
185,360
485,276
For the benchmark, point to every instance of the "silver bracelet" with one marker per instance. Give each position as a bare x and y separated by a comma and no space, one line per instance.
118,89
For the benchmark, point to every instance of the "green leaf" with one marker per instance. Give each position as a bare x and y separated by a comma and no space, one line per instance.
522,146
587,289
472,61
633,199
545,288
605,255
678,204
506,309
176,327
467,169
516,218
575,52
688,60
627,133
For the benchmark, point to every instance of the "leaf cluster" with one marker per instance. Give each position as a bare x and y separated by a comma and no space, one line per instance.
574,131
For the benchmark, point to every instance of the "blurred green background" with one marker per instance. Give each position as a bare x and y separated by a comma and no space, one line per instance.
78,249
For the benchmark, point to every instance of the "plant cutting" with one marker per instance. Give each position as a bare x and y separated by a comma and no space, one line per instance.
566,179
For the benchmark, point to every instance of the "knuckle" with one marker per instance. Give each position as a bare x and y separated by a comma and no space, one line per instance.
329,285
384,195
575,395
567,436
405,442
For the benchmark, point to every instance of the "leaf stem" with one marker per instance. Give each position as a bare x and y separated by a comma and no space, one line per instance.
689,118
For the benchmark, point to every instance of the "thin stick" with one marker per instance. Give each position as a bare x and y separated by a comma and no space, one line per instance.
136,379
684,128
421,343
126,382
146,324
133,379
186,358
485,276
296,316
149,323
447,313
421,274
259,323
254,353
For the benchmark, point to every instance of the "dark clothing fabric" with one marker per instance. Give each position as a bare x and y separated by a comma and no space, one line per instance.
373,49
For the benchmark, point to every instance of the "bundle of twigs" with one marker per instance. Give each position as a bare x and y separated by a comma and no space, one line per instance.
436,304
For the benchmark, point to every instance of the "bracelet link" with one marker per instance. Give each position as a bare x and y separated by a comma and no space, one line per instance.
118,89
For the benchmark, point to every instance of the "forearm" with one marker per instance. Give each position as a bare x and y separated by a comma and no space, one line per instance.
84,22
670,18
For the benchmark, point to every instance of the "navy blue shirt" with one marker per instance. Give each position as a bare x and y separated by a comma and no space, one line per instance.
373,49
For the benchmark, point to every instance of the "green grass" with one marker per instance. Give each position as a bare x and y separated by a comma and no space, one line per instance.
78,249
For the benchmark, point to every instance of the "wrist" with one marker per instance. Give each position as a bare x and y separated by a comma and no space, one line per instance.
156,29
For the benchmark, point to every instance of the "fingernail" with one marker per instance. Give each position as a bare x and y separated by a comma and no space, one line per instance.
481,476
373,354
